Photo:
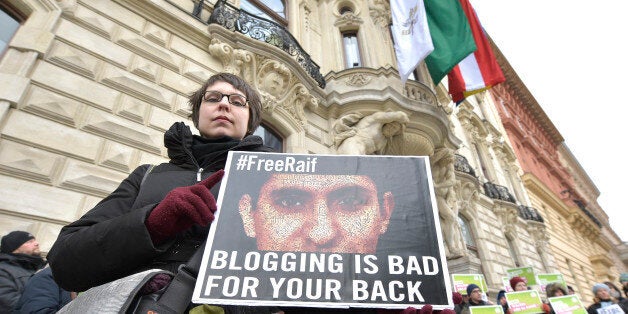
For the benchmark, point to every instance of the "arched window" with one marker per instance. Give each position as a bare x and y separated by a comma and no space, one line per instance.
9,23
270,138
274,10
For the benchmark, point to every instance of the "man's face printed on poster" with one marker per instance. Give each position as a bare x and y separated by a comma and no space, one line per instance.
317,213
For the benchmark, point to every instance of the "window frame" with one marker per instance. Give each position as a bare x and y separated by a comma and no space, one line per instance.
344,48
268,11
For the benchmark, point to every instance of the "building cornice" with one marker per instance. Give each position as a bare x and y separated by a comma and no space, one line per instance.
520,91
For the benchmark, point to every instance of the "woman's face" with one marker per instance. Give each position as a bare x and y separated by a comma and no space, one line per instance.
219,118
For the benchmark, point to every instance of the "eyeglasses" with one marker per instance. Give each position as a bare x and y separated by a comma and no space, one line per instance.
234,99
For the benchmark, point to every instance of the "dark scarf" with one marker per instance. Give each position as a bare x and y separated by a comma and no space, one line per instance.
30,262
192,151
211,154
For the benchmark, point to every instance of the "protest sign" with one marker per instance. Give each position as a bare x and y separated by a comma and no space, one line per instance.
544,279
567,304
524,272
524,302
611,309
461,281
506,283
486,309
325,231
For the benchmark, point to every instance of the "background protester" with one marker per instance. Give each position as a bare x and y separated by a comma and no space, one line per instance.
43,295
20,258
518,283
602,298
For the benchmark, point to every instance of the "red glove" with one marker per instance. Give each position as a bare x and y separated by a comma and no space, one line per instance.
182,208
426,309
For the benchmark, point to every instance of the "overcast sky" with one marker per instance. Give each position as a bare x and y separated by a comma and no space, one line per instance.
572,56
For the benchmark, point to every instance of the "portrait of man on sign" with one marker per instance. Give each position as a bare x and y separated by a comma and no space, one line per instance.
325,231
317,213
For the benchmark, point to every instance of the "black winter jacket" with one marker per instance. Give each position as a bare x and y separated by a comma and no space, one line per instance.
15,270
111,241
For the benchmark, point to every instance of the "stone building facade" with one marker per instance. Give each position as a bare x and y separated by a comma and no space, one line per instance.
585,249
87,88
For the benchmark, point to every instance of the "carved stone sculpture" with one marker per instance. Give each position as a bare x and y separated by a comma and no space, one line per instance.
444,181
358,135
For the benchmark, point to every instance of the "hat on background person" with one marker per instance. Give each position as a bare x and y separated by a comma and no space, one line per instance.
515,280
14,240
456,297
599,286
470,288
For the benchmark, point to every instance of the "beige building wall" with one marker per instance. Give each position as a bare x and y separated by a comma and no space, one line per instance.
94,84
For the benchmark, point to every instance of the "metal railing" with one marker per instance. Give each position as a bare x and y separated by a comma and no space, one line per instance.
530,213
261,29
462,164
587,212
498,192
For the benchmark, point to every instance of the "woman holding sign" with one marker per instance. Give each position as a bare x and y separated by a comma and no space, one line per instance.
158,218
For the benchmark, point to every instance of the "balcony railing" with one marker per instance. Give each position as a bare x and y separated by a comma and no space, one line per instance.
529,213
261,29
587,212
462,164
498,192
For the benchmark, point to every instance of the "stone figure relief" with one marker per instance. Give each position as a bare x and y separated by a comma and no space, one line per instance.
366,135
444,176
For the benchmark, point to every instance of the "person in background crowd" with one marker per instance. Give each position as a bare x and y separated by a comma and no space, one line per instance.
615,293
501,300
553,289
518,283
616,296
475,299
20,258
43,295
623,280
602,298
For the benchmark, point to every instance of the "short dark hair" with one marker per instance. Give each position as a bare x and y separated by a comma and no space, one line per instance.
252,96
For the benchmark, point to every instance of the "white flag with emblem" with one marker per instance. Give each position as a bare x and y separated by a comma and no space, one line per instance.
411,35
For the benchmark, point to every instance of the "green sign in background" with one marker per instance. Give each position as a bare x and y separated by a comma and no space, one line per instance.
567,304
461,281
524,302
490,309
525,272
544,279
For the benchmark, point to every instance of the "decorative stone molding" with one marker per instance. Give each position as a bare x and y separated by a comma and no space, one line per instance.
348,21
358,79
273,77
299,98
379,10
232,60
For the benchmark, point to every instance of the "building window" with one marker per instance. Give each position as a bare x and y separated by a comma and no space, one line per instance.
352,50
9,23
513,251
270,138
274,10
466,232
